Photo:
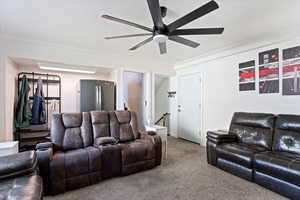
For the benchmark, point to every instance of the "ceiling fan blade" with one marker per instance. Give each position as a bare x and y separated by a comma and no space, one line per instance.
127,23
203,10
128,36
199,31
156,13
141,44
184,41
162,47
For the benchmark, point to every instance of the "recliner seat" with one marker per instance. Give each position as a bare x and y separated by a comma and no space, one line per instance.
138,151
282,165
253,134
239,153
279,170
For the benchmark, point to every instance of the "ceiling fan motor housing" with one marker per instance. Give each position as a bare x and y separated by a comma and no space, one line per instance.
158,31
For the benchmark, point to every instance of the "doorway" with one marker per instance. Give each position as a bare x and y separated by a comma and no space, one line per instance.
189,107
133,87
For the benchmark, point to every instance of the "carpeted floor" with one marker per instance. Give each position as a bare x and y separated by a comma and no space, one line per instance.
185,175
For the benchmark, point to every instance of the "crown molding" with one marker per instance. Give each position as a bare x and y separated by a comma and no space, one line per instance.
233,49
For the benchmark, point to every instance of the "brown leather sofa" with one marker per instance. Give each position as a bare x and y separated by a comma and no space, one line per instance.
88,147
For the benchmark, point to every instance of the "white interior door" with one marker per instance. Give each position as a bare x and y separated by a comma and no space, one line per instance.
189,107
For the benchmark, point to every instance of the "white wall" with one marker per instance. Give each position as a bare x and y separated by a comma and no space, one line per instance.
221,96
117,76
11,72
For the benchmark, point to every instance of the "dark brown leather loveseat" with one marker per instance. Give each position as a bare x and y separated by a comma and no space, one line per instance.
262,148
88,147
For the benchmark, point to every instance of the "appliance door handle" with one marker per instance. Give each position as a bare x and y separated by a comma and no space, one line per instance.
100,97
97,96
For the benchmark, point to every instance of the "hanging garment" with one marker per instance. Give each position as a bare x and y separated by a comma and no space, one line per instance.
38,106
23,113
54,108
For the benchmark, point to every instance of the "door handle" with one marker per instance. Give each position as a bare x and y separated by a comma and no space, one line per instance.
179,110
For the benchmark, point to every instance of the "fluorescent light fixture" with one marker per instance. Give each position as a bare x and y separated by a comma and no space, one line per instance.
66,69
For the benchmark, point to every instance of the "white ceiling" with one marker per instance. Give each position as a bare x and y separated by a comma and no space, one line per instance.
77,23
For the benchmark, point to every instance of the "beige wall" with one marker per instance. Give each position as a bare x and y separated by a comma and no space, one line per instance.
11,72
2,102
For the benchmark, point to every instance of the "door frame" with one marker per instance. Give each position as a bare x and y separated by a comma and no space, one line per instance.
154,93
202,135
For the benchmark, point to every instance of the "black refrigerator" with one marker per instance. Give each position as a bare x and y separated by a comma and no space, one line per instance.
97,95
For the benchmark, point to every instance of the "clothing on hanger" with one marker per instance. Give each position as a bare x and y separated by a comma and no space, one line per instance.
53,108
38,106
23,113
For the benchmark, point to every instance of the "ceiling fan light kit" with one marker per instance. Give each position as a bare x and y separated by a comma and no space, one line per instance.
160,38
161,32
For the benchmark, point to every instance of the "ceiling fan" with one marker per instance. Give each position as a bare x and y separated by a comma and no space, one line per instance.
162,32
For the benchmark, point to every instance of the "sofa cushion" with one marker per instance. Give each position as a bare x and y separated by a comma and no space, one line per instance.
71,131
253,128
104,141
100,121
287,134
75,163
123,126
239,153
136,151
282,165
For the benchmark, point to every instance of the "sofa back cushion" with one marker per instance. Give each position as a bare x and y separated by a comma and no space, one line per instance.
287,134
123,126
253,128
100,124
71,131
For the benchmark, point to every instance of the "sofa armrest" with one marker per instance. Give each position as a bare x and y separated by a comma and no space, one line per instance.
220,137
152,133
18,164
215,138
156,140
44,145
44,155
102,141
